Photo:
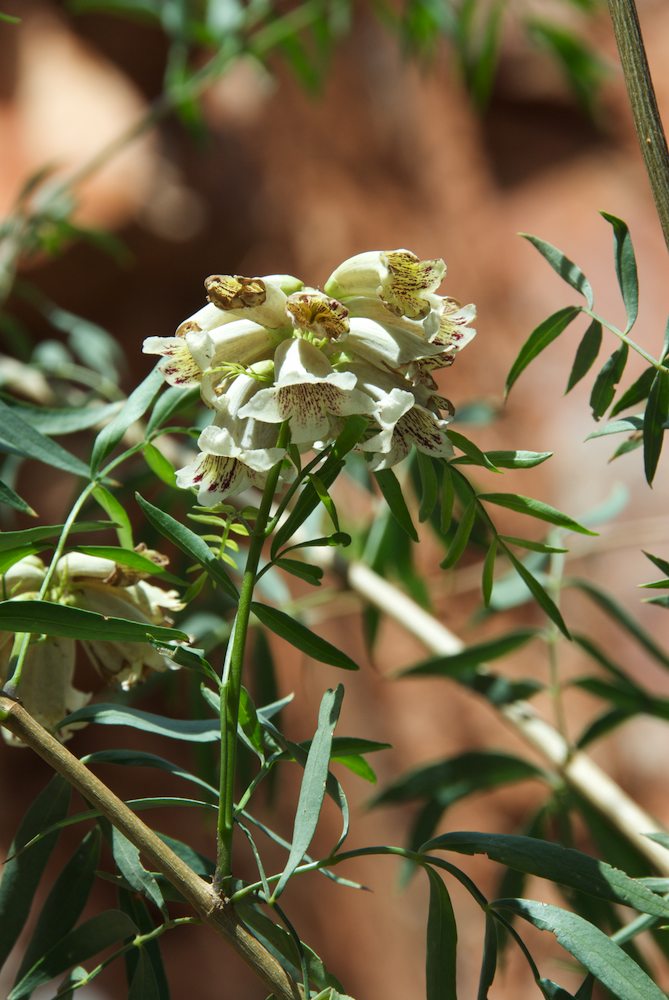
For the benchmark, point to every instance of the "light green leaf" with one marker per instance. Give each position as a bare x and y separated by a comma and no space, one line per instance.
471,451
442,939
594,950
314,780
160,465
118,514
190,543
32,536
654,423
67,420
539,340
20,438
562,865
511,459
535,508
565,268
46,618
586,354
21,874
75,947
134,408
626,272
192,730
472,656
392,494
132,559
301,637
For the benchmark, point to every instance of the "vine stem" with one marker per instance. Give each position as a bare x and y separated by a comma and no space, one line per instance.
643,103
232,681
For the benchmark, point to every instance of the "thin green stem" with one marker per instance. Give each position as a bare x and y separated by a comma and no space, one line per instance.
232,680
625,339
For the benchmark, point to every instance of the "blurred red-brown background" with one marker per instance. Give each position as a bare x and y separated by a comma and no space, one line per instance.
390,154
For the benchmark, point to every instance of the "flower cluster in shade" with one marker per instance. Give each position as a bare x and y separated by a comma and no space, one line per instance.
266,351
46,685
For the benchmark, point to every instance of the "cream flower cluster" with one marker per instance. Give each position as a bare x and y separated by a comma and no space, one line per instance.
46,687
269,350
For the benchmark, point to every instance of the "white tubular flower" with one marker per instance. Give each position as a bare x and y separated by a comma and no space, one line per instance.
308,393
186,357
216,477
386,345
239,345
46,689
454,331
319,317
24,577
418,427
405,284
262,300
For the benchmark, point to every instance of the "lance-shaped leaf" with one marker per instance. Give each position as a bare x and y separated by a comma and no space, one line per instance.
19,438
21,874
192,730
565,268
75,947
173,399
471,656
138,758
144,985
429,486
593,949
126,856
535,508
489,960
556,863
442,940
392,494
301,637
618,614
42,532
586,354
637,392
134,408
655,423
510,459
604,387
9,497
625,261
46,618
461,536
190,543
539,340
314,780
117,513
66,420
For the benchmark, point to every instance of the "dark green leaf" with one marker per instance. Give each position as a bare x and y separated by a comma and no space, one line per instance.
46,618
461,536
301,637
170,402
21,874
558,864
144,985
20,438
442,939
636,393
593,949
193,730
539,340
392,494
134,560
75,947
602,725
30,536
134,408
302,570
489,962
487,576
662,564
472,656
540,595
535,508
526,543
190,543
429,486
604,388
9,497
565,268
137,758
65,902
625,425
625,261
654,421
447,498
580,63
482,75
313,786
159,464
126,857
622,617
471,451
511,459
586,354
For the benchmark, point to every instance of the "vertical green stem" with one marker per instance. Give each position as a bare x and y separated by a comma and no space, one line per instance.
232,683
645,112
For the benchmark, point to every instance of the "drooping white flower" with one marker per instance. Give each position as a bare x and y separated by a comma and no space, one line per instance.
261,300
307,392
217,477
419,428
403,282
180,366
386,345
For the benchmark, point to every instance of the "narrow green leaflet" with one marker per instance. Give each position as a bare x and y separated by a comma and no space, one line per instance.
126,856
489,963
625,425
392,494
21,874
31,536
622,618
543,599
442,939
535,508
654,423
20,438
461,536
447,499
9,497
301,637
586,354
65,902
46,618
192,730
68,420
662,564
539,340
487,577
626,272
565,268
304,571
190,543
75,947
594,950
137,758
472,656
636,393
511,459
429,486
134,408
532,546
131,559
144,985
604,387
173,399
314,780
558,864
118,514
160,465
471,451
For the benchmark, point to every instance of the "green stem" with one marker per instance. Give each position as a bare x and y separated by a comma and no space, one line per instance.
645,112
232,681
625,339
